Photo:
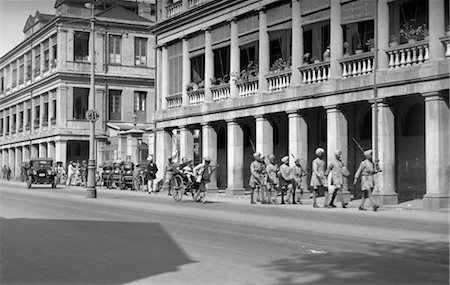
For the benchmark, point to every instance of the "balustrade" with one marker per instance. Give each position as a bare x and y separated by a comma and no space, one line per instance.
408,54
357,65
196,97
315,73
279,80
193,3
220,92
446,42
247,87
174,101
174,9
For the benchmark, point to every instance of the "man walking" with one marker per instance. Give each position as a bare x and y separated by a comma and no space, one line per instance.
298,173
286,181
168,174
256,176
152,169
318,179
70,173
337,170
366,171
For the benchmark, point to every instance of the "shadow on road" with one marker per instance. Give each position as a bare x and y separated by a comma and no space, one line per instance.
85,252
410,262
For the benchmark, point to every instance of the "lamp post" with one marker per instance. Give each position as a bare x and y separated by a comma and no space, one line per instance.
92,114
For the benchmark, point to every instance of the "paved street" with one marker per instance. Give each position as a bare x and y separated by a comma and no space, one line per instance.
58,236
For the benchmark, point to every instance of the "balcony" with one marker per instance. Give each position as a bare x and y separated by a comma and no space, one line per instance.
174,101
220,92
196,97
446,42
247,87
357,65
194,3
315,73
279,80
408,54
174,9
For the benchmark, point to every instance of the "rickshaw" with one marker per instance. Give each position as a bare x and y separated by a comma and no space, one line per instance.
106,171
115,177
140,178
183,184
127,175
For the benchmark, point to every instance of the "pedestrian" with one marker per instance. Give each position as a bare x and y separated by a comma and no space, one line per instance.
272,180
83,171
152,169
70,173
256,176
298,173
366,170
286,181
318,179
337,170
8,173
202,174
169,170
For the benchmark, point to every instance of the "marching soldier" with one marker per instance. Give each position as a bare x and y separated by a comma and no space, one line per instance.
256,176
318,179
366,170
203,174
272,179
338,171
286,181
298,173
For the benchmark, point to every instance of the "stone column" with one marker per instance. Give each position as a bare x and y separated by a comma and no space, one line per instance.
209,64
33,63
383,33
385,184
164,77
336,39
25,115
26,153
436,16
4,123
5,157
18,161
121,147
41,112
264,51
264,136
186,143
17,111
62,106
42,57
437,152
12,162
133,146
297,42
159,78
51,150
61,152
234,57
337,137
34,151
43,150
209,148
298,138
235,158
33,114
163,151
186,79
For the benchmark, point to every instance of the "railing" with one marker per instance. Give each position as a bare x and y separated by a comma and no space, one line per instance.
220,92
408,54
247,87
357,65
174,9
174,101
279,80
315,73
193,3
446,42
196,97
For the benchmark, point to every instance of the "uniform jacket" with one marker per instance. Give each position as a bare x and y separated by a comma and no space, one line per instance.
318,173
272,173
285,174
297,174
256,173
335,168
366,170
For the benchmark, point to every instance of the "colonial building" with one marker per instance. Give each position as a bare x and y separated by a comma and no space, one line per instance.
236,73
45,80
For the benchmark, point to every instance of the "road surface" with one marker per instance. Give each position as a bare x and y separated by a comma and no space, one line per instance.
58,236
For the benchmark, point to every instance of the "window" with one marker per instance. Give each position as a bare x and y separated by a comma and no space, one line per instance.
28,122
80,103
280,48
81,46
55,47
21,70
2,81
139,101
7,125
1,126
198,68
37,60
54,109
410,13
249,54
357,35
140,51
115,97
316,38
115,46
14,121
45,111
29,66
175,54
21,120
46,56
14,75
222,65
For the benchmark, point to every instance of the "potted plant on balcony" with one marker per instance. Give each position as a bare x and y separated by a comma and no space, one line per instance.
393,41
279,65
424,32
249,72
410,32
191,86
358,49
371,44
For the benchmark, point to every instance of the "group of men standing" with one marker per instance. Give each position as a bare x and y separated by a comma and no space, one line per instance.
268,180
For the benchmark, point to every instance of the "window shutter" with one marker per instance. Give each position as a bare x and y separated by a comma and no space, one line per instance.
175,53
248,24
310,6
357,11
279,14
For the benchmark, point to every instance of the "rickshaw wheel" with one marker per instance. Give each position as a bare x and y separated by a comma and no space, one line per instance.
122,185
198,195
177,188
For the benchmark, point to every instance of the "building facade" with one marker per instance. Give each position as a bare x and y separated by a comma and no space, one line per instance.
290,76
45,84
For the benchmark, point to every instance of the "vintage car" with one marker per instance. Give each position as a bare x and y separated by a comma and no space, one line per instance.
41,171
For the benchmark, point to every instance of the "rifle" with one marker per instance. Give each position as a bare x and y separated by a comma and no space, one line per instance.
253,146
358,145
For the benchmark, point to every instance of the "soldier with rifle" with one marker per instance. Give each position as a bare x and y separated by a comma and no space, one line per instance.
286,181
298,173
272,180
318,179
256,176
